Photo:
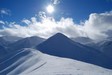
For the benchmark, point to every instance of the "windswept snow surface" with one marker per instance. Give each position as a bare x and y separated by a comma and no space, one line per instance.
32,62
19,61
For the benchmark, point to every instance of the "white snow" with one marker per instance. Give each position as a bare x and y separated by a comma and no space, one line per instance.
62,66
33,62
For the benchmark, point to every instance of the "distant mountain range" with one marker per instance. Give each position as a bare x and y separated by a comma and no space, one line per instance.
82,40
7,46
28,42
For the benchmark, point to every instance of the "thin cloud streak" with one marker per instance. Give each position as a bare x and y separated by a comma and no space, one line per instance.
55,2
5,12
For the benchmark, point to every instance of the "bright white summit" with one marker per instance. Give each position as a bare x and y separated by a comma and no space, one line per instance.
50,9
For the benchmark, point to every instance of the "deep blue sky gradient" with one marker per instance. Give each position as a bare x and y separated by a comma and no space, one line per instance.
76,9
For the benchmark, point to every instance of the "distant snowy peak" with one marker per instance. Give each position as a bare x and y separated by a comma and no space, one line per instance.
31,41
58,36
11,38
28,42
3,42
6,40
106,47
83,40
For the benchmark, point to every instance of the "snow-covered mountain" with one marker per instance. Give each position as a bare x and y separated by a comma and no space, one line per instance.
3,42
18,57
83,40
8,44
3,46
106,48
32,62
60,45
10,39
28,42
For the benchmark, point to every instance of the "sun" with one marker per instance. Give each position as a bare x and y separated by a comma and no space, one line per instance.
50,9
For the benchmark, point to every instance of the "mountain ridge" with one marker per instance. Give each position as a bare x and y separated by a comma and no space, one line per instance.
61,45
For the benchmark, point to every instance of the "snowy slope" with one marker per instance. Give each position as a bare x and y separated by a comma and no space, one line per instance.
19,61
60,45
32,62
3,47
3,51
63,66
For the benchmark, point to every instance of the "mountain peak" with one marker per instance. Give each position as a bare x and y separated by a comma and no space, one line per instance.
59,36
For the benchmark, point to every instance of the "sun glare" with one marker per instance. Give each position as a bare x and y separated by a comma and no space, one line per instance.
50,9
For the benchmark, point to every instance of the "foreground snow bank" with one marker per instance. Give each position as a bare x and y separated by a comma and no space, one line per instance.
32,62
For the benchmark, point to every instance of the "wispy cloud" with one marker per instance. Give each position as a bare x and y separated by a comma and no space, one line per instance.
5,12
26,21
96,27
2,22
55,1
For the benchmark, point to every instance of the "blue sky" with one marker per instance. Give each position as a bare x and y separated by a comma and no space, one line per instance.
74,18
77,9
